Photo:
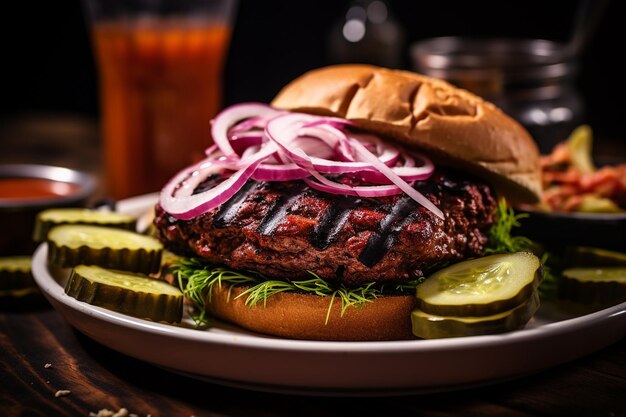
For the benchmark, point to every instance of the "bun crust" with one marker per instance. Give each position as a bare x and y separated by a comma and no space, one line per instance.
453,126
303,316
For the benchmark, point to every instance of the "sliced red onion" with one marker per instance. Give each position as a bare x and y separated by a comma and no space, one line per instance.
393,177
257,122
358,191
389,155
233,114
409,161
253,140
408,171
211,150
241,143
284,129
338,140
181,203
313,147
331,121
250,151
282,172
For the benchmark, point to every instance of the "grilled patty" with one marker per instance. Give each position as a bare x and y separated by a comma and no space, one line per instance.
284,229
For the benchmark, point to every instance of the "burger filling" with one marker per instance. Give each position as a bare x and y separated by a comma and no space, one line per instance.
288,230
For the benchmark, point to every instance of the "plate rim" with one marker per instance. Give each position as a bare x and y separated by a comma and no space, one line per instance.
53,289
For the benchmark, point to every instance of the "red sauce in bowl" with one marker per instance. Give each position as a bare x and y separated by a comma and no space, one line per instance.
34,189
27,189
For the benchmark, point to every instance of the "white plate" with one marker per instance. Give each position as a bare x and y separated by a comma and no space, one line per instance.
228,355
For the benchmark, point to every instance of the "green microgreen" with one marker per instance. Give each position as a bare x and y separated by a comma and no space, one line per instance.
502,240
500,237
196,279
195,276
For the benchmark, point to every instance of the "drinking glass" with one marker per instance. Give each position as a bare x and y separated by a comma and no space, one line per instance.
160,74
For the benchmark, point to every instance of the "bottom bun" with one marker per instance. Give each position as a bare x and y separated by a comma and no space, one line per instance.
303,316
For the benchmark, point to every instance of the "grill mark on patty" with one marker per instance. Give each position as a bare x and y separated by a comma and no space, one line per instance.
382,240
279,210
332,222
227,212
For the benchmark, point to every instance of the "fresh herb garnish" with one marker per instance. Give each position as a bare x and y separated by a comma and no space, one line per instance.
196,279
501,240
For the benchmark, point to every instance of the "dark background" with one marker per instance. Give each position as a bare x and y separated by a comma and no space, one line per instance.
48,65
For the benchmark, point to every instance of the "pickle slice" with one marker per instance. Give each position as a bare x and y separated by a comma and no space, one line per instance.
482,286
133,294
587,256
50,218
600,285
430,326
71,245
16,279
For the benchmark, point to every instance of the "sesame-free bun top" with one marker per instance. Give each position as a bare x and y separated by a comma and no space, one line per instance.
453,126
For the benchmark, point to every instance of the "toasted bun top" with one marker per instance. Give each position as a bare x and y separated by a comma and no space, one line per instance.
454,126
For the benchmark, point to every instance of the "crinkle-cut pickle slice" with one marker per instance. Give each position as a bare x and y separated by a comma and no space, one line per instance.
50,218
71,245
430,326
16,279
597,285
482,286
585,256
125,292
15,263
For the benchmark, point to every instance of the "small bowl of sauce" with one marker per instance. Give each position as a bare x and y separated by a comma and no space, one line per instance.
27,189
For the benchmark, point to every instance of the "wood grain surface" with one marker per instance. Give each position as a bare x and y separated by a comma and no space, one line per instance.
99,378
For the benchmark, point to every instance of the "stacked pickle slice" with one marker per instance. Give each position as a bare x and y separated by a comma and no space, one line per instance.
111,266
492,294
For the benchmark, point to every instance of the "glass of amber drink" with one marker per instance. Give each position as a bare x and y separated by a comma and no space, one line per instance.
160,71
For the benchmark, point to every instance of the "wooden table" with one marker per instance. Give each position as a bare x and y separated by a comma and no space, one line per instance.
33,335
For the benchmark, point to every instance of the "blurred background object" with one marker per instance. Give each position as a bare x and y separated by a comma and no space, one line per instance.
160,68
368,34
50,73
532,80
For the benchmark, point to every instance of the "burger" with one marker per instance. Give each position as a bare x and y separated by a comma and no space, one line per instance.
316,216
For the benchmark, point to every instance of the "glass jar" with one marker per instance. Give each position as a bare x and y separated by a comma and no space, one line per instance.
532,80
